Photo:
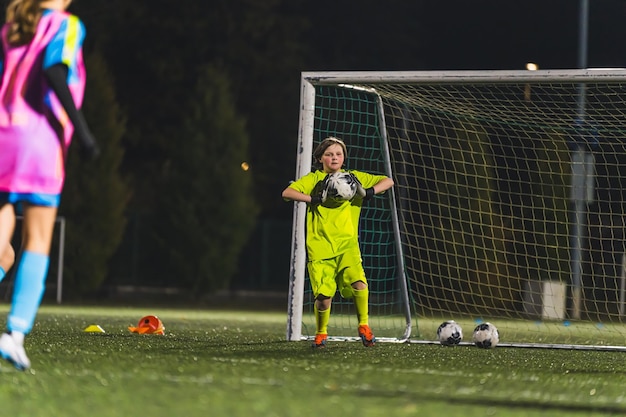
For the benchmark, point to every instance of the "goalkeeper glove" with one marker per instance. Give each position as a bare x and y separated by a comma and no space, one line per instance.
321,198
364,193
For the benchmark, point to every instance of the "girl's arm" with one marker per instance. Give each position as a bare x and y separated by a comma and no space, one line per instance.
367,193
295,195
57,76
383,185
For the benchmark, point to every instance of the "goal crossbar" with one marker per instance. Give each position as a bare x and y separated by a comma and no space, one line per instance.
464,77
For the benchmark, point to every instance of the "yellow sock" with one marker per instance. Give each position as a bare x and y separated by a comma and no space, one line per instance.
361,300
321,320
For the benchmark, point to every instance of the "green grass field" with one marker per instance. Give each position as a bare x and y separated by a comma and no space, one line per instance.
226,363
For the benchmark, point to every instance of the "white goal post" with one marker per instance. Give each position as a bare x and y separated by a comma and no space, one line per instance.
508,203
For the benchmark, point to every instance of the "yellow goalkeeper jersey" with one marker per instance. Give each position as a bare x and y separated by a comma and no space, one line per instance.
333,227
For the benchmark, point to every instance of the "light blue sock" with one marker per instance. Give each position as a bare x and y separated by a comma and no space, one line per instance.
2,273
30,279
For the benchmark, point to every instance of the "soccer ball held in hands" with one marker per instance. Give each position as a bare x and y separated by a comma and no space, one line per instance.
341,186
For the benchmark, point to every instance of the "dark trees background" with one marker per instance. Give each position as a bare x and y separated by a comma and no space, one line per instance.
206,205
183,92
95,193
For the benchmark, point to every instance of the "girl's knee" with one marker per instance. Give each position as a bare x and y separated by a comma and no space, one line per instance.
359,285
7,258
323,302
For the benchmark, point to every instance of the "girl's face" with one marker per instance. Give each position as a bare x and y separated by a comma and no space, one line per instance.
332,158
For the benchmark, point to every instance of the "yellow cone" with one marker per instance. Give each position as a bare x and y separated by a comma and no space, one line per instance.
94,328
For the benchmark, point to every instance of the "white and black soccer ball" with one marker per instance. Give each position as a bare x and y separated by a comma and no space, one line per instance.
486,336
449,333
341,186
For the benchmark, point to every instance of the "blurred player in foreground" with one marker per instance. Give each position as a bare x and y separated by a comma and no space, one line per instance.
43,80
332,237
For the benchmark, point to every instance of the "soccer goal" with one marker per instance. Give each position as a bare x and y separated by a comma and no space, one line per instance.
508,205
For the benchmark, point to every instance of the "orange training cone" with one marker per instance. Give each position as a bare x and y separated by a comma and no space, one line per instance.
149,325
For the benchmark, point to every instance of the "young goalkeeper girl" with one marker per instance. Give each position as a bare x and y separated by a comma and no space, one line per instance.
332,237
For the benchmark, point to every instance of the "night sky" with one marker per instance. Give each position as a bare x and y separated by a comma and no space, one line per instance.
483,34
506,35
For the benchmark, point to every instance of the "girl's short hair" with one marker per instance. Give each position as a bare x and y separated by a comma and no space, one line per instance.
321,148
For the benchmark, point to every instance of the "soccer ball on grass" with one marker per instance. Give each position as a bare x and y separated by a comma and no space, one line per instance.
341,186
449,333
486,336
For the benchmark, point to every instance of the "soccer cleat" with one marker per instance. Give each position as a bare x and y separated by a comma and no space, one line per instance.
366,335
13,352
320,341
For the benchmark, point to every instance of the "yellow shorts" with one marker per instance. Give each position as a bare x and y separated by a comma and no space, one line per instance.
341,272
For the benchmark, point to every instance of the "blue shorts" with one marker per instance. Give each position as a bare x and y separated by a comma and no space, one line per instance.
36,199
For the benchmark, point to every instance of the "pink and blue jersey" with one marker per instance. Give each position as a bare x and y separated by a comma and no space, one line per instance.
35,130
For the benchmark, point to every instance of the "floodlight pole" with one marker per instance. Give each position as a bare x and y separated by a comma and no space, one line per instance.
582,168
583,24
